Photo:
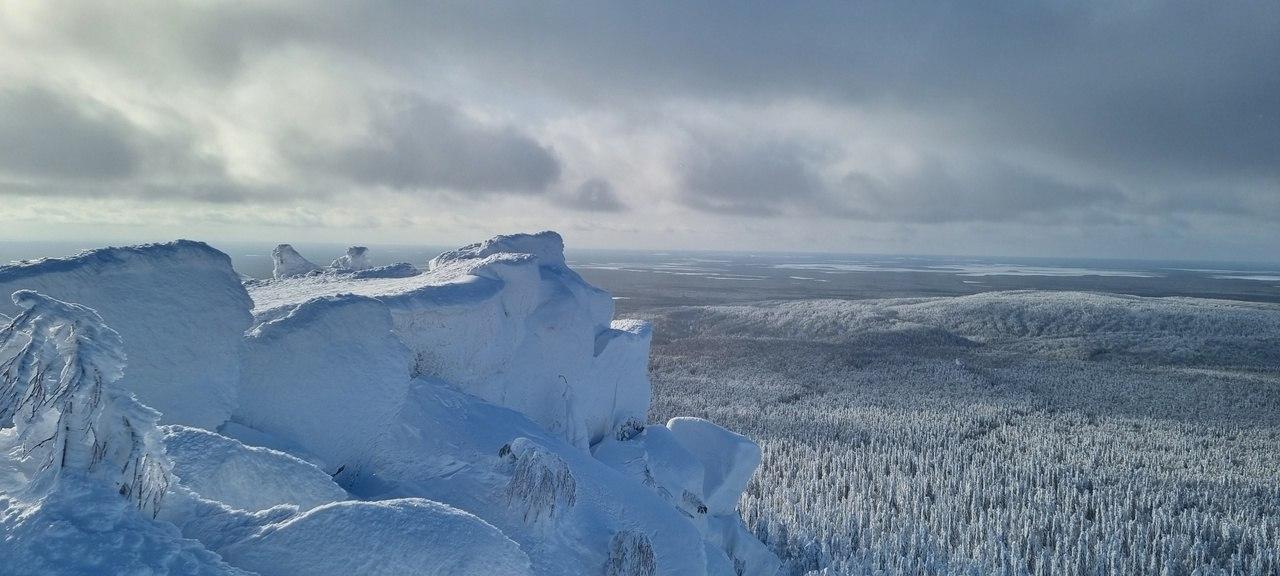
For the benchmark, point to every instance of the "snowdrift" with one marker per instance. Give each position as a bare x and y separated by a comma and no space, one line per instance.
484,416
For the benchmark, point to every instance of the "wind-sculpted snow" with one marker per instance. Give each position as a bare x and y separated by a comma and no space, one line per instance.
1001,433
179,308
547,246
391,537
245,477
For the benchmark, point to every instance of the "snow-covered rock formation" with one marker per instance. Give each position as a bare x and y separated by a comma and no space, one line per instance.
180,309
288,262
326,375
356,258
508,321
486,416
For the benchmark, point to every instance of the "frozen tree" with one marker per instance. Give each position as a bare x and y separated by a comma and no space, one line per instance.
541,483
59,364
630,554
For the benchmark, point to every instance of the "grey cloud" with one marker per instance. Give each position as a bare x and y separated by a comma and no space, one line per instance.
786,178
47,135
1153,89
423,145
751,180
594,195
1162,108
997,192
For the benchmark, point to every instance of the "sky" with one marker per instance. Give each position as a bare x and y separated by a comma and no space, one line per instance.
1141,129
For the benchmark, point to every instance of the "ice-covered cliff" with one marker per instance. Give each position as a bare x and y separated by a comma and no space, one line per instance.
490,406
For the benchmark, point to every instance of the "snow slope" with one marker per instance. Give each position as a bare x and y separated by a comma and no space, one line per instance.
179,307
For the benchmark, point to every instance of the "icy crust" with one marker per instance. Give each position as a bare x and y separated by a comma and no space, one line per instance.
507,321
326,375
218,468
179,307
403,536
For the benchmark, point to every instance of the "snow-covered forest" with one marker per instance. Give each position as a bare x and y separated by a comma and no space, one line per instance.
1000,433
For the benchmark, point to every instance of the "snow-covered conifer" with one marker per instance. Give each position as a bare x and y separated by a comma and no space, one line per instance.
59,364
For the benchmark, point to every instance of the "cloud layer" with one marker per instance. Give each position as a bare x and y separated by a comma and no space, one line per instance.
925,126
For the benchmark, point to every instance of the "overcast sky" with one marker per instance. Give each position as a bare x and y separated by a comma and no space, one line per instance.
1138,129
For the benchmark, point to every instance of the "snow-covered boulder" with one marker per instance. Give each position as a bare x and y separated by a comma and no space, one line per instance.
179,308
387,538
729,460
356,258
327,375
249,478
287,262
